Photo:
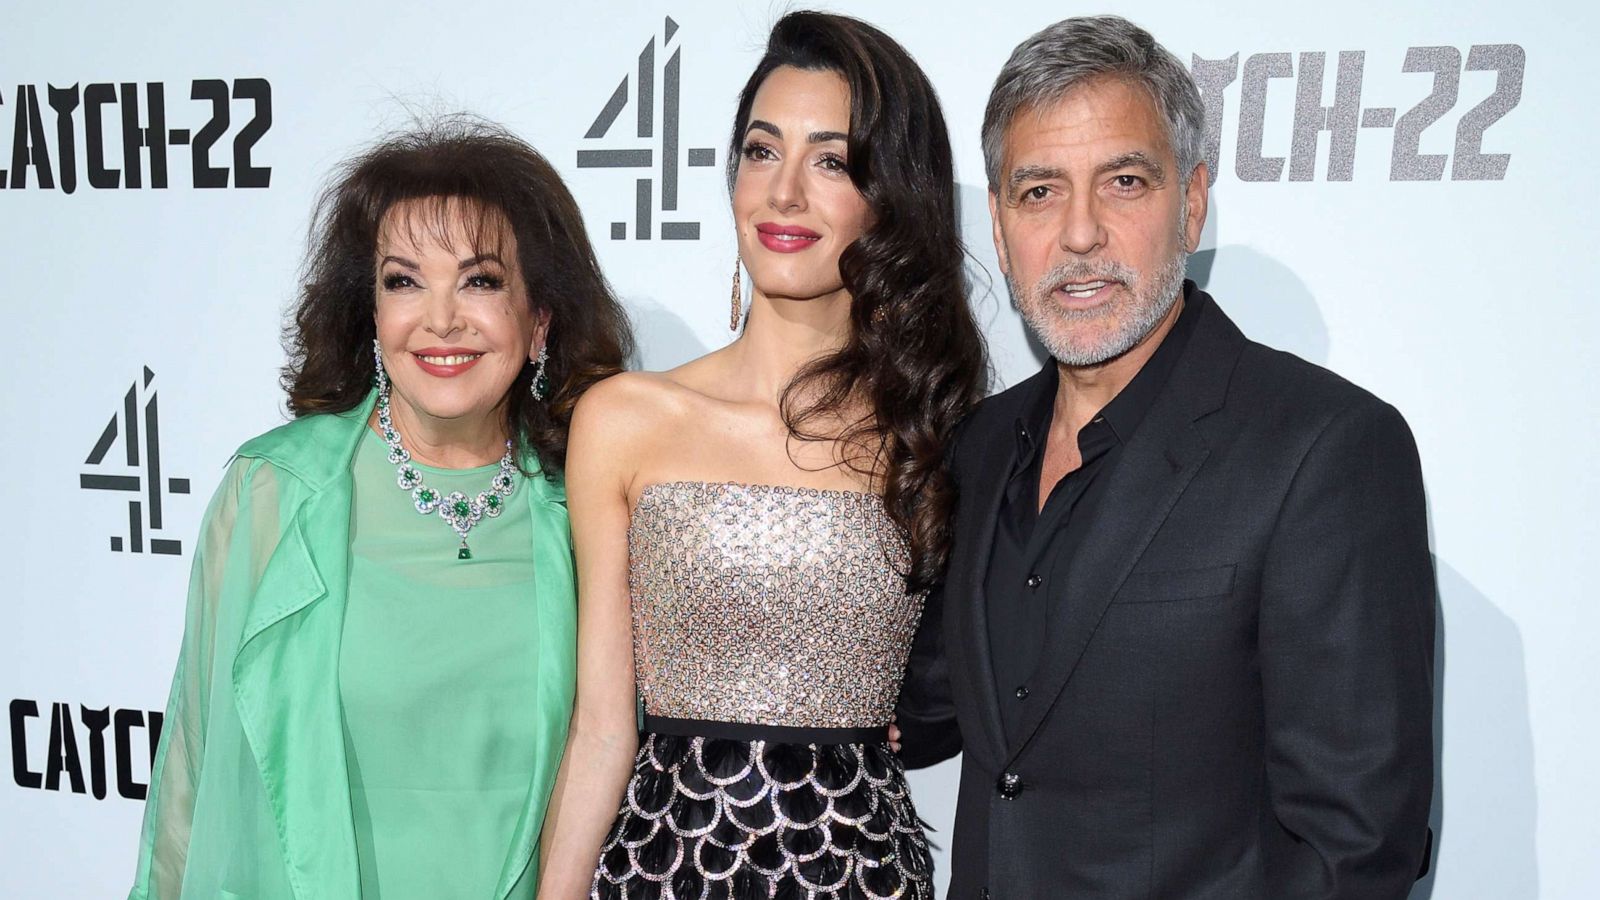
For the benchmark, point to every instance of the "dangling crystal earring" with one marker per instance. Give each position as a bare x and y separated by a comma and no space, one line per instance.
540,386
380,378
738,298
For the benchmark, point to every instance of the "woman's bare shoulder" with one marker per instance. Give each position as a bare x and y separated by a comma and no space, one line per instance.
633,400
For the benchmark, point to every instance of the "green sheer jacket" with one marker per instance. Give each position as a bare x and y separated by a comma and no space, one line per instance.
249,792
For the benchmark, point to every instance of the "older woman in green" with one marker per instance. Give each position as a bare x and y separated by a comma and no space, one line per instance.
377,668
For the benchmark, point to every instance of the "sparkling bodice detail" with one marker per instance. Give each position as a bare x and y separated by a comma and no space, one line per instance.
769,605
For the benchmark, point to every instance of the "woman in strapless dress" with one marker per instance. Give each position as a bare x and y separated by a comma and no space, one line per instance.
755,530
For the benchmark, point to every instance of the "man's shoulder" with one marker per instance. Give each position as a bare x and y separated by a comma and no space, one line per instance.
996,413
1259,377
1267,381
1008,404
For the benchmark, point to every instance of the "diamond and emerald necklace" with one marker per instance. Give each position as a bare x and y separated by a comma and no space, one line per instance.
458,510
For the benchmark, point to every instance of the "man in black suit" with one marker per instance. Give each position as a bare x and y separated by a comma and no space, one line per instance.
1187,629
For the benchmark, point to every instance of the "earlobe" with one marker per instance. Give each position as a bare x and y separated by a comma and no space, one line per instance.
541,336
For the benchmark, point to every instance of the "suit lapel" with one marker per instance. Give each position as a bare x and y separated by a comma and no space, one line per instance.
1157,466
982,491
1144,487
982,497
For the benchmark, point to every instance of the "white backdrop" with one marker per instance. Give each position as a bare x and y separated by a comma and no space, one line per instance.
1462,298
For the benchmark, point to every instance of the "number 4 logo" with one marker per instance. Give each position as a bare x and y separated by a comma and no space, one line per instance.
139,430
644,105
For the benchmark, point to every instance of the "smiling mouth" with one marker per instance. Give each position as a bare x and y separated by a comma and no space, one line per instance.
455,360
786,238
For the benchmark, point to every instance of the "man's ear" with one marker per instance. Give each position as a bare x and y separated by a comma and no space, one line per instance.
1197,195
999,236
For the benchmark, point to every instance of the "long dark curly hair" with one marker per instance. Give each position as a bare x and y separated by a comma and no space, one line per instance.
914,358
455,163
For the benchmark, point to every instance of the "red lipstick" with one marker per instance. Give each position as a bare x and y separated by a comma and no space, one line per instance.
446,362
786,238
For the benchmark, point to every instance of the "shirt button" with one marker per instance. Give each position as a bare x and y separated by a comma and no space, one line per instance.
1010,785
1034,580
1022,692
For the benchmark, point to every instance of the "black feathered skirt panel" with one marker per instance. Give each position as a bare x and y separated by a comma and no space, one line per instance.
719,817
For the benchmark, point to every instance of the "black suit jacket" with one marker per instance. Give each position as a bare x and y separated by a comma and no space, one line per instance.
1235,696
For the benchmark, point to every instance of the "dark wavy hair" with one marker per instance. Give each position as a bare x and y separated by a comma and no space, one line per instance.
457,164
914,357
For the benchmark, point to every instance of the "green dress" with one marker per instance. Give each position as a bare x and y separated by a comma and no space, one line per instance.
437,663
249,795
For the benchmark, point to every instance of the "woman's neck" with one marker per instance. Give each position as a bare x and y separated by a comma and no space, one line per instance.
466,442
782,336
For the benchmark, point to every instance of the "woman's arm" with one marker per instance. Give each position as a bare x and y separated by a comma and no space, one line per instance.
604,736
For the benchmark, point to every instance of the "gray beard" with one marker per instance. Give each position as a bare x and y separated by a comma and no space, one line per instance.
1149,300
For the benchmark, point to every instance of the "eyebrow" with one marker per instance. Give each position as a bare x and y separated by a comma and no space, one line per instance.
1023,174
815,137
464,264
1136,159
480,258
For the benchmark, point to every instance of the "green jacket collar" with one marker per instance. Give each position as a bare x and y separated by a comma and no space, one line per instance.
317,450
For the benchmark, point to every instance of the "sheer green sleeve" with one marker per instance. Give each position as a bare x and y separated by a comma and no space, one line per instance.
236,538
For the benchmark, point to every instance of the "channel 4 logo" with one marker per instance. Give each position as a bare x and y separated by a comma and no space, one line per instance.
137,429
639,88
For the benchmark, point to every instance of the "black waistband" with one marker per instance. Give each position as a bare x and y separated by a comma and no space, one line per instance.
752,731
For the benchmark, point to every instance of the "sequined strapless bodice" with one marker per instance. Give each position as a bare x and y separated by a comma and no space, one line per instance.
768,605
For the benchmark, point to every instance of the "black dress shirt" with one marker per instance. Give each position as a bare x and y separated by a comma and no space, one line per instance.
1033,547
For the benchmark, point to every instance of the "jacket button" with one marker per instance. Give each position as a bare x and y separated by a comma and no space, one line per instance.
1034,580
1022,692
1010,785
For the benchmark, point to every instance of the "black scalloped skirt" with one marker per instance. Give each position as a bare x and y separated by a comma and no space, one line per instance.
731,819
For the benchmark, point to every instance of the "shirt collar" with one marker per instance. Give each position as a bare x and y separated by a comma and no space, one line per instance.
1033,420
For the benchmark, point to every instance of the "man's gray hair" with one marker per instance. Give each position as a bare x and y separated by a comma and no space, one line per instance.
1073,52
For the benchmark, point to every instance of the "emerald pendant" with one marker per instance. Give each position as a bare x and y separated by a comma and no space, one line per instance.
464,552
